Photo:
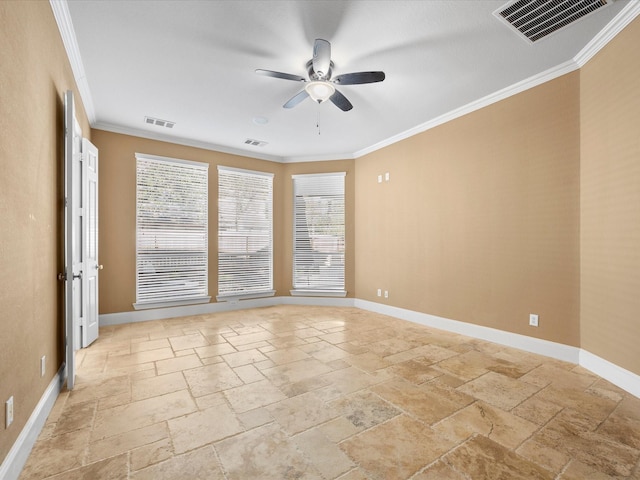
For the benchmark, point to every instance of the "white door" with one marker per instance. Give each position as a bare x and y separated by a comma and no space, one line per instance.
90,244
73,236
81,240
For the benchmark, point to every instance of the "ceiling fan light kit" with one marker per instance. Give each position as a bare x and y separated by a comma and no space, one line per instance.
319,86
320,91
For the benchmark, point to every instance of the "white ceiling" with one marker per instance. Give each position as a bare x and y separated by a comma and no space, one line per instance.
192,63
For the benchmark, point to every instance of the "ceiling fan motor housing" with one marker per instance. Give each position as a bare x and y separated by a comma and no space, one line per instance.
315,76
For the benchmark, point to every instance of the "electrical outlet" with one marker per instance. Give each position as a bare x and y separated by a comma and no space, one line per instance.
386,176
379,178
386,294
533,320
379,292
8,407
43,365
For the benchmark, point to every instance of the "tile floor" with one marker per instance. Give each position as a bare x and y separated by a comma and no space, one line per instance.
329,393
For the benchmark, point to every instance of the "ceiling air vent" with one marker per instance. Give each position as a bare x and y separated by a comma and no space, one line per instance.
535,19
158,122
254,143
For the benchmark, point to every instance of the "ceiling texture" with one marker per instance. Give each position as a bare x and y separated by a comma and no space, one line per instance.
193,62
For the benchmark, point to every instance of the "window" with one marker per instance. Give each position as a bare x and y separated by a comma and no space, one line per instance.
318,246
245,234
171,232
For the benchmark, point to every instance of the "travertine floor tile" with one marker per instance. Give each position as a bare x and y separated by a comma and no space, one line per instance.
319,449
499,390
429,406
502,427
407,444
439,471
203,427
178,364
157,385
365,409
265,453
484,459
124,442
211,379
329,393
114,468
141,413
302,412
200,464
253,395
57,454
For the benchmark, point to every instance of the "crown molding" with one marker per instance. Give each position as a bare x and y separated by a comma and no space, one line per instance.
68,34
487,100
613,28
182,141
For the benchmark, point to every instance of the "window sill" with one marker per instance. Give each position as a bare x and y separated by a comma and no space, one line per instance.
171,303
245,296
317,293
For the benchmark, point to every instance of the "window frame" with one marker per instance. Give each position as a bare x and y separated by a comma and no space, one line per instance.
319,290
259,291
200,226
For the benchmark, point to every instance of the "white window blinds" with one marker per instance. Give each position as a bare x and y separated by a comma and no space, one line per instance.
319,239
245,233
171,231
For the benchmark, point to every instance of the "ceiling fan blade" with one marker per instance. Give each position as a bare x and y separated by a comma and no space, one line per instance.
321,57
285,76
358,78
340,101
296,99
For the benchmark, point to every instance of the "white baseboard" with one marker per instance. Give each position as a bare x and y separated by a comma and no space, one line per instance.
183,311
617,375
16,458
620,377
523,342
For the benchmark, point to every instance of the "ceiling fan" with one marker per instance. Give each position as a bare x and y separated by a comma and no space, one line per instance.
320,86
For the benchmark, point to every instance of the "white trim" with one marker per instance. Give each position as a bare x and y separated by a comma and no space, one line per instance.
515,340
157,158
137,132
328,174
16,458
172,303
624,379
301,292
613,28
495,97
244,170
245,296
620,377
107,319
65,26
68,34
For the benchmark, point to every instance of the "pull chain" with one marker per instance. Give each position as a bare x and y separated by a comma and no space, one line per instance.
318,119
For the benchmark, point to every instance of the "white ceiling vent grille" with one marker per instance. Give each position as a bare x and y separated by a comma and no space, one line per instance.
255,143
158,122
535,19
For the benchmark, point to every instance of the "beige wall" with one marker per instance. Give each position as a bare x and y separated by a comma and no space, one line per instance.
286,257
610,201
118,212
479,221
34,74
528,205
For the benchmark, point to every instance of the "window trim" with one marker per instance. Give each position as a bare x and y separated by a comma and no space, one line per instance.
269,292
316,292
193,300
